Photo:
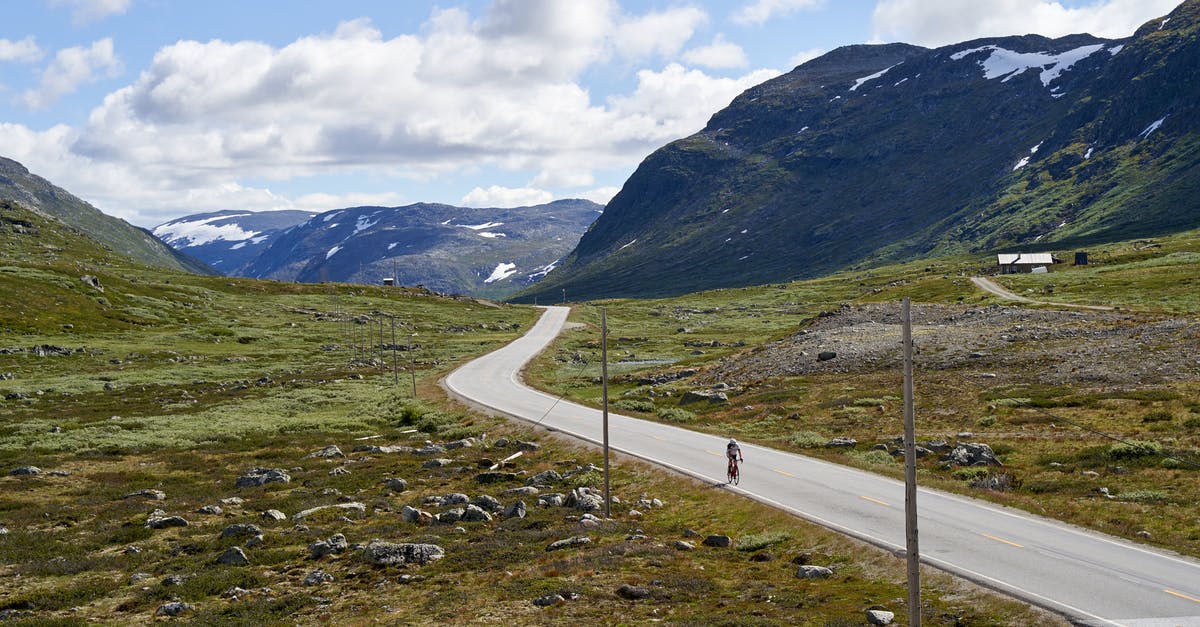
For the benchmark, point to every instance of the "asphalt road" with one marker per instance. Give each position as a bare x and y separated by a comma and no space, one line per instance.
1089,577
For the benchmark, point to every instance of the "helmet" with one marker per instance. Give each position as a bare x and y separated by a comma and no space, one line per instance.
732,441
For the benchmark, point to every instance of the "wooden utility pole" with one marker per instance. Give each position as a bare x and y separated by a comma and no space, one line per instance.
604,395
412,364
910,475
395,367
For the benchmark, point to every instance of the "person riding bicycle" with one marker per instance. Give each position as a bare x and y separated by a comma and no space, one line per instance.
733,452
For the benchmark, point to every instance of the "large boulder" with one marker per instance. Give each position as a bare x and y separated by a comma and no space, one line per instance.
382,553
261,476
703,396
328,452
568,542
972,454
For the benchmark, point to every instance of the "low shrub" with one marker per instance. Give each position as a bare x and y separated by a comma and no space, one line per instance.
874,457
630,404
1158,416
1135,449
807,439
758,541
1143,496
675,414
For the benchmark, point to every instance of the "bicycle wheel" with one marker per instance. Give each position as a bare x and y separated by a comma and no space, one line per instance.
736,475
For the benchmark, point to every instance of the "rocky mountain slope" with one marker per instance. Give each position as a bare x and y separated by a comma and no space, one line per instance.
228,240
19,185
872,154
487,252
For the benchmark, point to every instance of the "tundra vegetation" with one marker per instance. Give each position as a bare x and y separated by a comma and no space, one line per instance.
168,447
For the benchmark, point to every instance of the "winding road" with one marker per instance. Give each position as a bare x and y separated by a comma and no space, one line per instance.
1091,578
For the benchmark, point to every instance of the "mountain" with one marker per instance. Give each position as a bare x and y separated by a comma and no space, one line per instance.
228,240
482,252
873,154
19,185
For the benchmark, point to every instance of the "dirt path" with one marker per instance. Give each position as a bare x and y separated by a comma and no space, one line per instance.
991,287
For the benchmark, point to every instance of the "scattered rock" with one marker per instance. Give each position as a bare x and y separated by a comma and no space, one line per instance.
233,556
474,513
496,477
159,519
547,601
585,499
430,449
211,510
457,444
383,450
691,533
318,577
972,454
333,545
516,510
240,529
826,355
544,478
569,542
174,580
488,503
437,463
764,556
153,495
273,515
841,442
633,593
680,545
382,553
528,447
880,617
25,471
233,500
339,471
808,571
175,608
262,476
551,500
326,453
356,508
703,396
719,541
395,484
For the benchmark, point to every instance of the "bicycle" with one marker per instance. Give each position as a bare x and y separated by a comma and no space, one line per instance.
732,473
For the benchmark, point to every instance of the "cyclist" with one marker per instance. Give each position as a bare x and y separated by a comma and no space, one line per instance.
733,454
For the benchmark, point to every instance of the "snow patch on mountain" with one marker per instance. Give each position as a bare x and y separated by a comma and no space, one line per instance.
480,227
859,83
200,232
1006,64
490,235
502,271
1153,127
332,251
544,271
364,223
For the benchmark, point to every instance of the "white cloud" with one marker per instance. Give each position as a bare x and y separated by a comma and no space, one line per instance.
24,50
497,196
663,33
943,22
84,11
600,195
720,54
72,68
759,11
326,202
805,56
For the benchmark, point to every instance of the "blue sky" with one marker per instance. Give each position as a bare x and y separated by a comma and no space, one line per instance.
154,109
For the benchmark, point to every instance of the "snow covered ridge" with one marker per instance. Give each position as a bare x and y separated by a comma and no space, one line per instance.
502,271
200,232
1006,64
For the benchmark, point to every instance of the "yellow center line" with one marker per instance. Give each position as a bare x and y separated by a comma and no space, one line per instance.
1010,543
713,453
867,498
784,473
660,438
1181,595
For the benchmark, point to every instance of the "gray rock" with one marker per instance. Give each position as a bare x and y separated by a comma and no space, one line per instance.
826,355
233,500
358,509
159,519
633,593
241,529
680,545
841,442
475,513
880,617
382,553
255,541
326,453
457,444
516,510
153,495
456,498
528,447
440,462
568,543
719,541
430,449
703,396
339,471
450,516
488,503
972,454
808,571
139,577
551,500
332,545
544,478
396,485
174,580
175,608
261,476
25,471
273,515
383,450
586,500
547,601
522,491
233,556
317,577
211,510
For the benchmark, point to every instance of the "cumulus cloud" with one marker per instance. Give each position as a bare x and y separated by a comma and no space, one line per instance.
720,54
25,50
499,90
85,11
943,22
759,11
72,68
600,195
325,202
497,196
660,33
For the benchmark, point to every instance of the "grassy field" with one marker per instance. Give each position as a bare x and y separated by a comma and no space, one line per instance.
160,390
1050,438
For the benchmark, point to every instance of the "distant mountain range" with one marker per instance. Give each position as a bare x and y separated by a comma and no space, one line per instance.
37,194
486,252
874,154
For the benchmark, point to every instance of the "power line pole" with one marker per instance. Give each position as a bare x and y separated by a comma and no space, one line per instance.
604,386
395,367
910,475
412,364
